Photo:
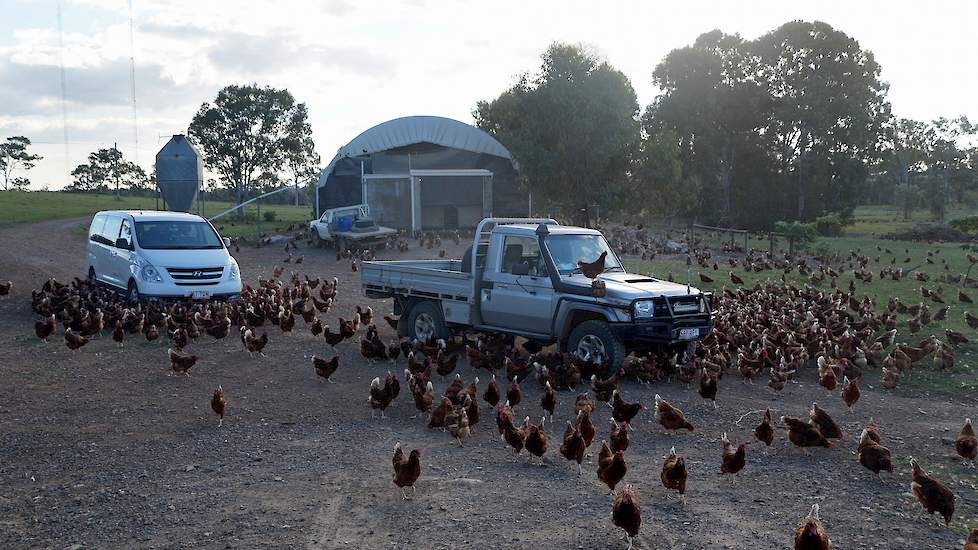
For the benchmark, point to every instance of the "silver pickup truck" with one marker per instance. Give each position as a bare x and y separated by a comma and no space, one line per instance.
520,276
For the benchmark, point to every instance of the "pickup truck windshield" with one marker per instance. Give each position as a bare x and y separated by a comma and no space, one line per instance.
176,235
567,250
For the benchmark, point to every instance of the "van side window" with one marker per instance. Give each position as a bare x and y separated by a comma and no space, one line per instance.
126,233
518,250
111,230
95,230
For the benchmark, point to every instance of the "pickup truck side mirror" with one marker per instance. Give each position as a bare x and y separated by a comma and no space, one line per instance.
521,269
122,243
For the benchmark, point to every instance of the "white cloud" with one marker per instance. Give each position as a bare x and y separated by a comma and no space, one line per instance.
357,64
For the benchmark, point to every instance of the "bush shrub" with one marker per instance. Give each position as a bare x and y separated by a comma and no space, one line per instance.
829,225
268,215
803,234
968,225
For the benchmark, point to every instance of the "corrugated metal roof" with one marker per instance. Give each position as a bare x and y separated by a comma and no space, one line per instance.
409,130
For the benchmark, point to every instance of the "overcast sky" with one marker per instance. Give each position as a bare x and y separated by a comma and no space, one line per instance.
359,63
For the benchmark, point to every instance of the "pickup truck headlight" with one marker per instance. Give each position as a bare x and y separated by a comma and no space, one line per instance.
150,274
644,309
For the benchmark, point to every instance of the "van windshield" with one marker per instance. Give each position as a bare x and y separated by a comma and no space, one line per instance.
567,250
176,235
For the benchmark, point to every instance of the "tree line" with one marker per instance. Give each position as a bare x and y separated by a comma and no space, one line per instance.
254,138
794,125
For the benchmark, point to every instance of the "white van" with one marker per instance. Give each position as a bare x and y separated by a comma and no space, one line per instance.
167,255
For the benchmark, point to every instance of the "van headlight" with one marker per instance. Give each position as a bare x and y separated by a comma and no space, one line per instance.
233,272
643,309
150,274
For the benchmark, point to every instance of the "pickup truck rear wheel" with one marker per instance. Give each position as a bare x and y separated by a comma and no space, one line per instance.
425,321
595,340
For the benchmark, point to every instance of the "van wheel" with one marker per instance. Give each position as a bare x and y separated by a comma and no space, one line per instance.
594,340
132,293
425,321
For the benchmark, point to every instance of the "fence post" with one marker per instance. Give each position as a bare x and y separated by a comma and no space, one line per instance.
258,221
771,243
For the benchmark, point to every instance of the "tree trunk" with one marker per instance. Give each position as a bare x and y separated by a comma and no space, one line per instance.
726,176
242,196
802,156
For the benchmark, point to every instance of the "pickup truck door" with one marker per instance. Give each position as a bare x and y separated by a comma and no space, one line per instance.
516,301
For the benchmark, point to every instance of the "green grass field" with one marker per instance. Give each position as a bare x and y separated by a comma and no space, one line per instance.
876,220
23,207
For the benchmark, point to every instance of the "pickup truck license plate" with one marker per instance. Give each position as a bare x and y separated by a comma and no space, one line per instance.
200,294
688,333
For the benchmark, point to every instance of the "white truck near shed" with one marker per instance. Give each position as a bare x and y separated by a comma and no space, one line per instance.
521,277
349,227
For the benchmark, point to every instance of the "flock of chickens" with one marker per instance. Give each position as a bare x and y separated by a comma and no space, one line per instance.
772,329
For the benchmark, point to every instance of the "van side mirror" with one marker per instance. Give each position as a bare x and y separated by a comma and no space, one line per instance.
122,243
521,269
226,241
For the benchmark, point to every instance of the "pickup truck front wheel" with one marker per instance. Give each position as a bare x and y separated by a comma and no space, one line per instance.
425,321
594,340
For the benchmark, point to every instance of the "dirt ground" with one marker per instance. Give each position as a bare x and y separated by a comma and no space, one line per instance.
100,448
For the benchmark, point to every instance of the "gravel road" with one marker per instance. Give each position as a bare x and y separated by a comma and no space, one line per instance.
100,448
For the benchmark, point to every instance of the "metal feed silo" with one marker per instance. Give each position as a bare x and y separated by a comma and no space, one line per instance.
179,173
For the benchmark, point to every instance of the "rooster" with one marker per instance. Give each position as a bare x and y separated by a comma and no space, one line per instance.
872,455
826,424
119,335
572,447
603,388
804,435
381,396
671,418
966,444
732,460
626,513
326,368
74,341
460,428
548,401
46,328
810,535
491,395
593,269
611,466
181,362
536,439
514,395
622,410
255,345
674,473
219,404
764,431
407,470
972,542
586,426
850,391
516,436
708,387
933,495
619,436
